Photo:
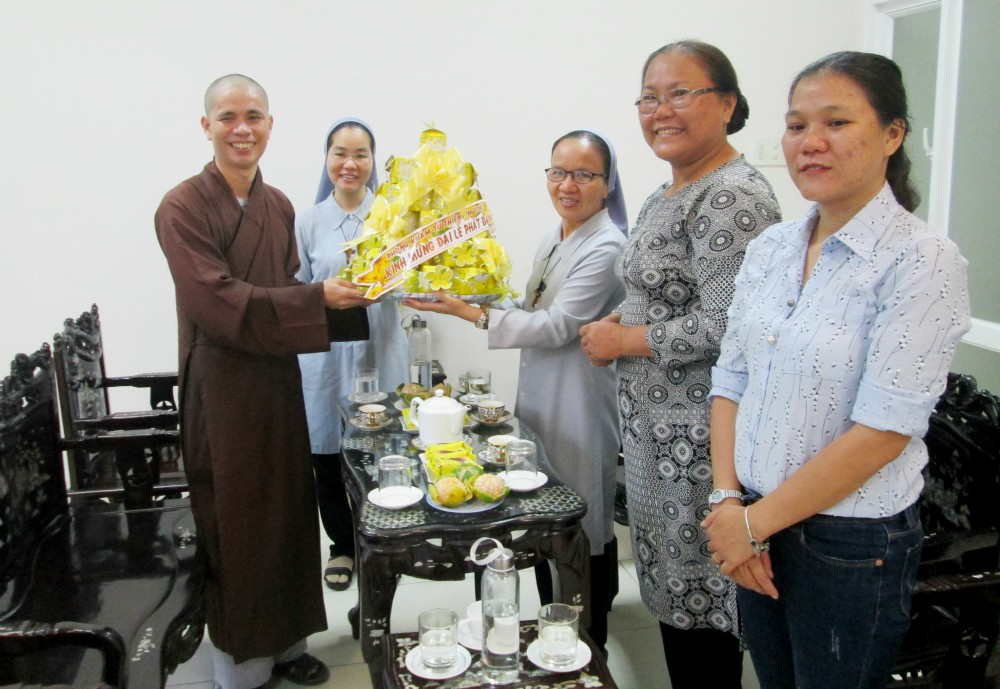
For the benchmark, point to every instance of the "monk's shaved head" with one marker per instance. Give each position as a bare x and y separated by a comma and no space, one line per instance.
230,81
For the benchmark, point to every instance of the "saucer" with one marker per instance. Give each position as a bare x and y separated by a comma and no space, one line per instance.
379,396
356,422
395,498
523,481
415,665
507,416
582,657
467,637
487,457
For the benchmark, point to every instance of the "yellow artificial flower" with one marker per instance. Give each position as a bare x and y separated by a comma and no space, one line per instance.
440,278
464,254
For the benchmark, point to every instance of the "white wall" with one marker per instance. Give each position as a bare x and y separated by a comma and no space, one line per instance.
101,101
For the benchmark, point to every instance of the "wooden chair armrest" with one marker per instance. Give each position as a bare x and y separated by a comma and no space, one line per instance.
18,637
946,586
161,387
123,440
131,421
951,545
142,380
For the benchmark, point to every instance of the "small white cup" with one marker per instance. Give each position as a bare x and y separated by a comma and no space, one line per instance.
491,411
498,445
372,414
474,617
438,637
366,385
558,631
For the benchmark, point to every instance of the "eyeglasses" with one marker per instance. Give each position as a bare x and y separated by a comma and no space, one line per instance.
648,103
557,174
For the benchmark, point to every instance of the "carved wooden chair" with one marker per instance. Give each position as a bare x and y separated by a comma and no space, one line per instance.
956,605
146,454
89,592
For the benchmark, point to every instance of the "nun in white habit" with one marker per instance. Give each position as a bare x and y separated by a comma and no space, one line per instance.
571,404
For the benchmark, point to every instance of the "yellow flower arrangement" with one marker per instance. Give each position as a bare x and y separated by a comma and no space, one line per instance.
432,184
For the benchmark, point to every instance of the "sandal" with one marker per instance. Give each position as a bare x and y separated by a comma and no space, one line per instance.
306,669
339,572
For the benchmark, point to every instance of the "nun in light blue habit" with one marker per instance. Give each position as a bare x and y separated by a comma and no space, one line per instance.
344,197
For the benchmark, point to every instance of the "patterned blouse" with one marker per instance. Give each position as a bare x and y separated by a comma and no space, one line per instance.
679,268
868,339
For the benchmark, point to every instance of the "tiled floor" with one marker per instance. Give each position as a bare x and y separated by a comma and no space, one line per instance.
636,655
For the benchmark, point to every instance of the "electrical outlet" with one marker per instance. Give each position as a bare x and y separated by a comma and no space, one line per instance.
767,151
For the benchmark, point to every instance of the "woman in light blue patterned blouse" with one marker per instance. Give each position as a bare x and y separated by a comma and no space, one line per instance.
840,336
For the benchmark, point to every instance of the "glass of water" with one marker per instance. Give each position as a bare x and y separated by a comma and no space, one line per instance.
477,382
366,385
558,631
438,637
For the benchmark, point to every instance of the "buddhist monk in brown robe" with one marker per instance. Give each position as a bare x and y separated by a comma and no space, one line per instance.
242,317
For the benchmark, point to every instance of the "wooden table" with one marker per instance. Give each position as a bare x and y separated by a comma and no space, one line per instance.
425,542
594,675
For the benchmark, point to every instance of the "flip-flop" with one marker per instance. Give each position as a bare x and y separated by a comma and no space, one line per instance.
339,570
306,670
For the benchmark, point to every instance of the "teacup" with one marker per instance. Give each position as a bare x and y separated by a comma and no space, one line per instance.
491,411
372,415
474,619
498,443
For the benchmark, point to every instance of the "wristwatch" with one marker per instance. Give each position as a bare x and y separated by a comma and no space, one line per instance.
484,320
720,494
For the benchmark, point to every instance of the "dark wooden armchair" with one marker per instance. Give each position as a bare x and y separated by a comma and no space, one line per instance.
956,605
145,459
90,592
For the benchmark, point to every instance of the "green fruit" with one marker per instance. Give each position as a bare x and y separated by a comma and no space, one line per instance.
449,491
467,473
490,488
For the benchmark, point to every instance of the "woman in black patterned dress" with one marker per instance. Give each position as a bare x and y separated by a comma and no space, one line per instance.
679,266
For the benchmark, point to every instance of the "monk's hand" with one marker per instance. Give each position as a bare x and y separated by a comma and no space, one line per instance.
339,293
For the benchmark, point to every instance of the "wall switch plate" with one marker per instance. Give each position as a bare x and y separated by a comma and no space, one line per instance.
767,151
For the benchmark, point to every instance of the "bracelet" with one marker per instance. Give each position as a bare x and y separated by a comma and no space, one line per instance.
484,320
757,546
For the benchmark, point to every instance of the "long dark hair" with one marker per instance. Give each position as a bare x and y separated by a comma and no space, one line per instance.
719,70
882,82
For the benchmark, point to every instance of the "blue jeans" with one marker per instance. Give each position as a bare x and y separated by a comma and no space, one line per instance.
843,605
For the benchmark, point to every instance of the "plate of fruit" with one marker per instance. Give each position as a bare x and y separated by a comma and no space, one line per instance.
456,483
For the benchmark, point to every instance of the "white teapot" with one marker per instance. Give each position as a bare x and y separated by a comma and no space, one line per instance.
439,418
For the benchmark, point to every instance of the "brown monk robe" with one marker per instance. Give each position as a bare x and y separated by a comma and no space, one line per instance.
242,318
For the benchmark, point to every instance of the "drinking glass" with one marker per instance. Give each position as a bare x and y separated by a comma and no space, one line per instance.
558,631
438,637
366,385
393,472
477,382
420,373
521,461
